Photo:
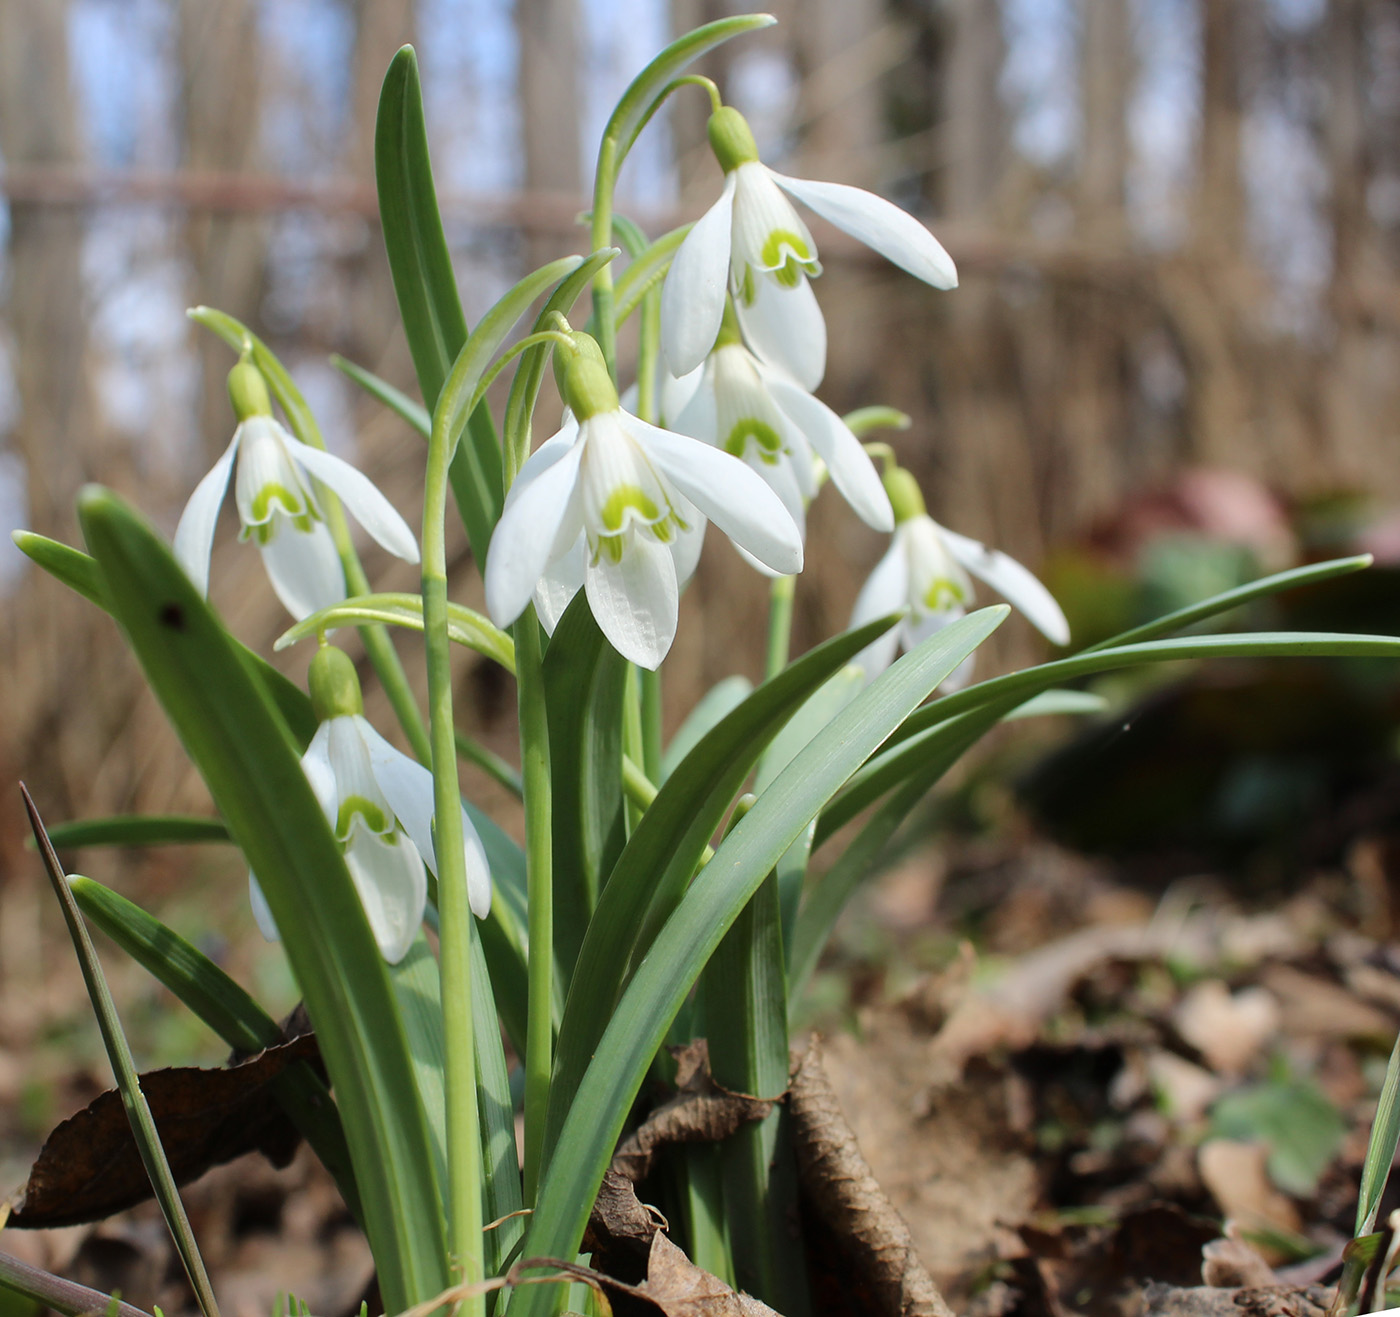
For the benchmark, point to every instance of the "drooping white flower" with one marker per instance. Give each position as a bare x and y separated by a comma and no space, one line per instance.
752,243
379,803
927,569
610,500
274,490
758,413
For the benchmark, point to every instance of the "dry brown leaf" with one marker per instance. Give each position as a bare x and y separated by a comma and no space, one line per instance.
1237,1176
1317,1006
1233,1264
701,1112
89,1166
1208,1301
1228,1029
845,1197
681,1289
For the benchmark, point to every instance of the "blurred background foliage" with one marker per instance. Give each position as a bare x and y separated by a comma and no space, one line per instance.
1173,362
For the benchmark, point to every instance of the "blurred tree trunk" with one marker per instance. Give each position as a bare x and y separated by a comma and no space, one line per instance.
974,118
220,100
1106,75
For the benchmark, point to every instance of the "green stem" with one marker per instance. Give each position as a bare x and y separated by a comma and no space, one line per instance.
651,723
454,912
604,181
539,870
632,746
780,597
490,763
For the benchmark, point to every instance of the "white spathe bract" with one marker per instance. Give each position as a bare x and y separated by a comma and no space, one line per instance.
379,804
755,412
927,570
753,243
274,490
633,495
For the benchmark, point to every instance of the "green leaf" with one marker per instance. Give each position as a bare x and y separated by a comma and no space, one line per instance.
638,102
1380,1149
71,566
230,1012
502,932
465,626
419,995
636,1029
1057,703
80,573
143,1125
1312,574
426,288
1303,1129
721,699
584,680
394,399
647,271
138,830
651,874
250,764
890,765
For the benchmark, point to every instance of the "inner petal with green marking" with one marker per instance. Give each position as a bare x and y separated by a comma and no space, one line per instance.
370,812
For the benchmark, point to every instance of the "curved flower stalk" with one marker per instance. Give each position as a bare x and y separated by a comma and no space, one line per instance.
379,803
274,490
619,499
756,412
928,569
752,243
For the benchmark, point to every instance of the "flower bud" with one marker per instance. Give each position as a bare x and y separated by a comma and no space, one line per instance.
334,685
584,380
247,391
906,498
731,139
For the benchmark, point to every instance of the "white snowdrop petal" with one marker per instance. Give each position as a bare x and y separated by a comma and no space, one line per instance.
1015,583
878,223
194,536
561,581
731,495
262,912
886,589
266,483
635,600
785,327
852,471
362,499
528,532
407,786
388,875
303,566
692,298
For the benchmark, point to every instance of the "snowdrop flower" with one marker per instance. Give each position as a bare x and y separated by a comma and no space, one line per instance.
277,506
379,803
752,243
927,570
756,412
611,499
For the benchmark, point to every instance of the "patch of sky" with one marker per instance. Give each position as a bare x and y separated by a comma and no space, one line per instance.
304,90
1163,118
1039,77
470,64
14,515
124,77
620,37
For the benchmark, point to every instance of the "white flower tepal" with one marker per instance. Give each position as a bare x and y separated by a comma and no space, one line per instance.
753,243
379,803
621,502
927,570
274,491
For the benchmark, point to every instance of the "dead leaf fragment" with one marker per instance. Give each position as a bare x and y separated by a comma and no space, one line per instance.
850,1203
1231,1263
89,1166
681,1289
1238,1178
1228,1029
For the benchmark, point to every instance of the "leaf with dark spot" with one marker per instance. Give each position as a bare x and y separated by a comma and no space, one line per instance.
89,1167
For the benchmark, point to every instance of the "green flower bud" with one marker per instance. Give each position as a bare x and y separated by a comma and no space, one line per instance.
247,391
906,498
334,687
731,139
586,385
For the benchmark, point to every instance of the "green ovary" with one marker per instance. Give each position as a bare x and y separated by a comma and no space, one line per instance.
943,593
374,817
788,257
765,439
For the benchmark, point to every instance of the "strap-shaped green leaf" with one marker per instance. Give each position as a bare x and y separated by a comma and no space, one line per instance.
138,1112
465,625
138,830
426,288
79,573
891,764
394,399
584,679
1380,1148
251,767
600,1104
651,874
230,1012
